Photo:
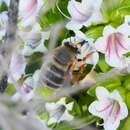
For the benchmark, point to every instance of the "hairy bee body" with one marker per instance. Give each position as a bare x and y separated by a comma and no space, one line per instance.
54,73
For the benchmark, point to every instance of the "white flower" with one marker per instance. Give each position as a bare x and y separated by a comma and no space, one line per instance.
28,11
114,43
84,13
17,66
26,92
86,50
110,107
34,41
59,111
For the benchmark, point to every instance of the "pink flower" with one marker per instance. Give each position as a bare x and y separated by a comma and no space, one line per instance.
83,13
28,11
114,43
110,107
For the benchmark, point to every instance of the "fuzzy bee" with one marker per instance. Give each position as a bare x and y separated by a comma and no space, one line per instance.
64,66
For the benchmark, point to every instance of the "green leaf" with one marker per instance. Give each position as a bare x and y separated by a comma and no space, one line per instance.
126,125
128,100
53,16
3,7
43,116
44,91
114,11
76,109
64,126
122,92
95,31
10,89
110,84
127,83
102,64
109,7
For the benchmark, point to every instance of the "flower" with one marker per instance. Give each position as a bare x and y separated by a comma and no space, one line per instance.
26,91
59,111
84,13
87,48
34,40
114,43
17,66
28,11
110,107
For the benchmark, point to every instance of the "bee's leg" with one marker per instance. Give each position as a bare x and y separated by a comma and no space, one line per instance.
77,71
88,79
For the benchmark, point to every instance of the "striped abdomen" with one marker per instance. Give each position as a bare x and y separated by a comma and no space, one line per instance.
53,74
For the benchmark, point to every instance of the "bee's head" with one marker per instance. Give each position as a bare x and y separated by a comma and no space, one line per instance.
82,43
72,47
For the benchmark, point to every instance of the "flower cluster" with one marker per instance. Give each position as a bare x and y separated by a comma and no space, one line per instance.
101,35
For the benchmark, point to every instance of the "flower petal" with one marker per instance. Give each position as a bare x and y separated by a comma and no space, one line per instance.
17,66
102,93
80,11
16,97
124,29
73,25
28,97
61,101
70,106
66,117
101,44
108,30
114,61
123,111
93,59
93,108
111,124
27,11
116,96
100,108
52,120
50,106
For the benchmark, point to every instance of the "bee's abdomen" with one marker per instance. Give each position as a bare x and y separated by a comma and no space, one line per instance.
53,76
51,84
57,70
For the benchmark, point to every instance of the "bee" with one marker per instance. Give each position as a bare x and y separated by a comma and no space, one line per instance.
62,66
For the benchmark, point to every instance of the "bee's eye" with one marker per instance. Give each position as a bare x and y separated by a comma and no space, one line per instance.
79,59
